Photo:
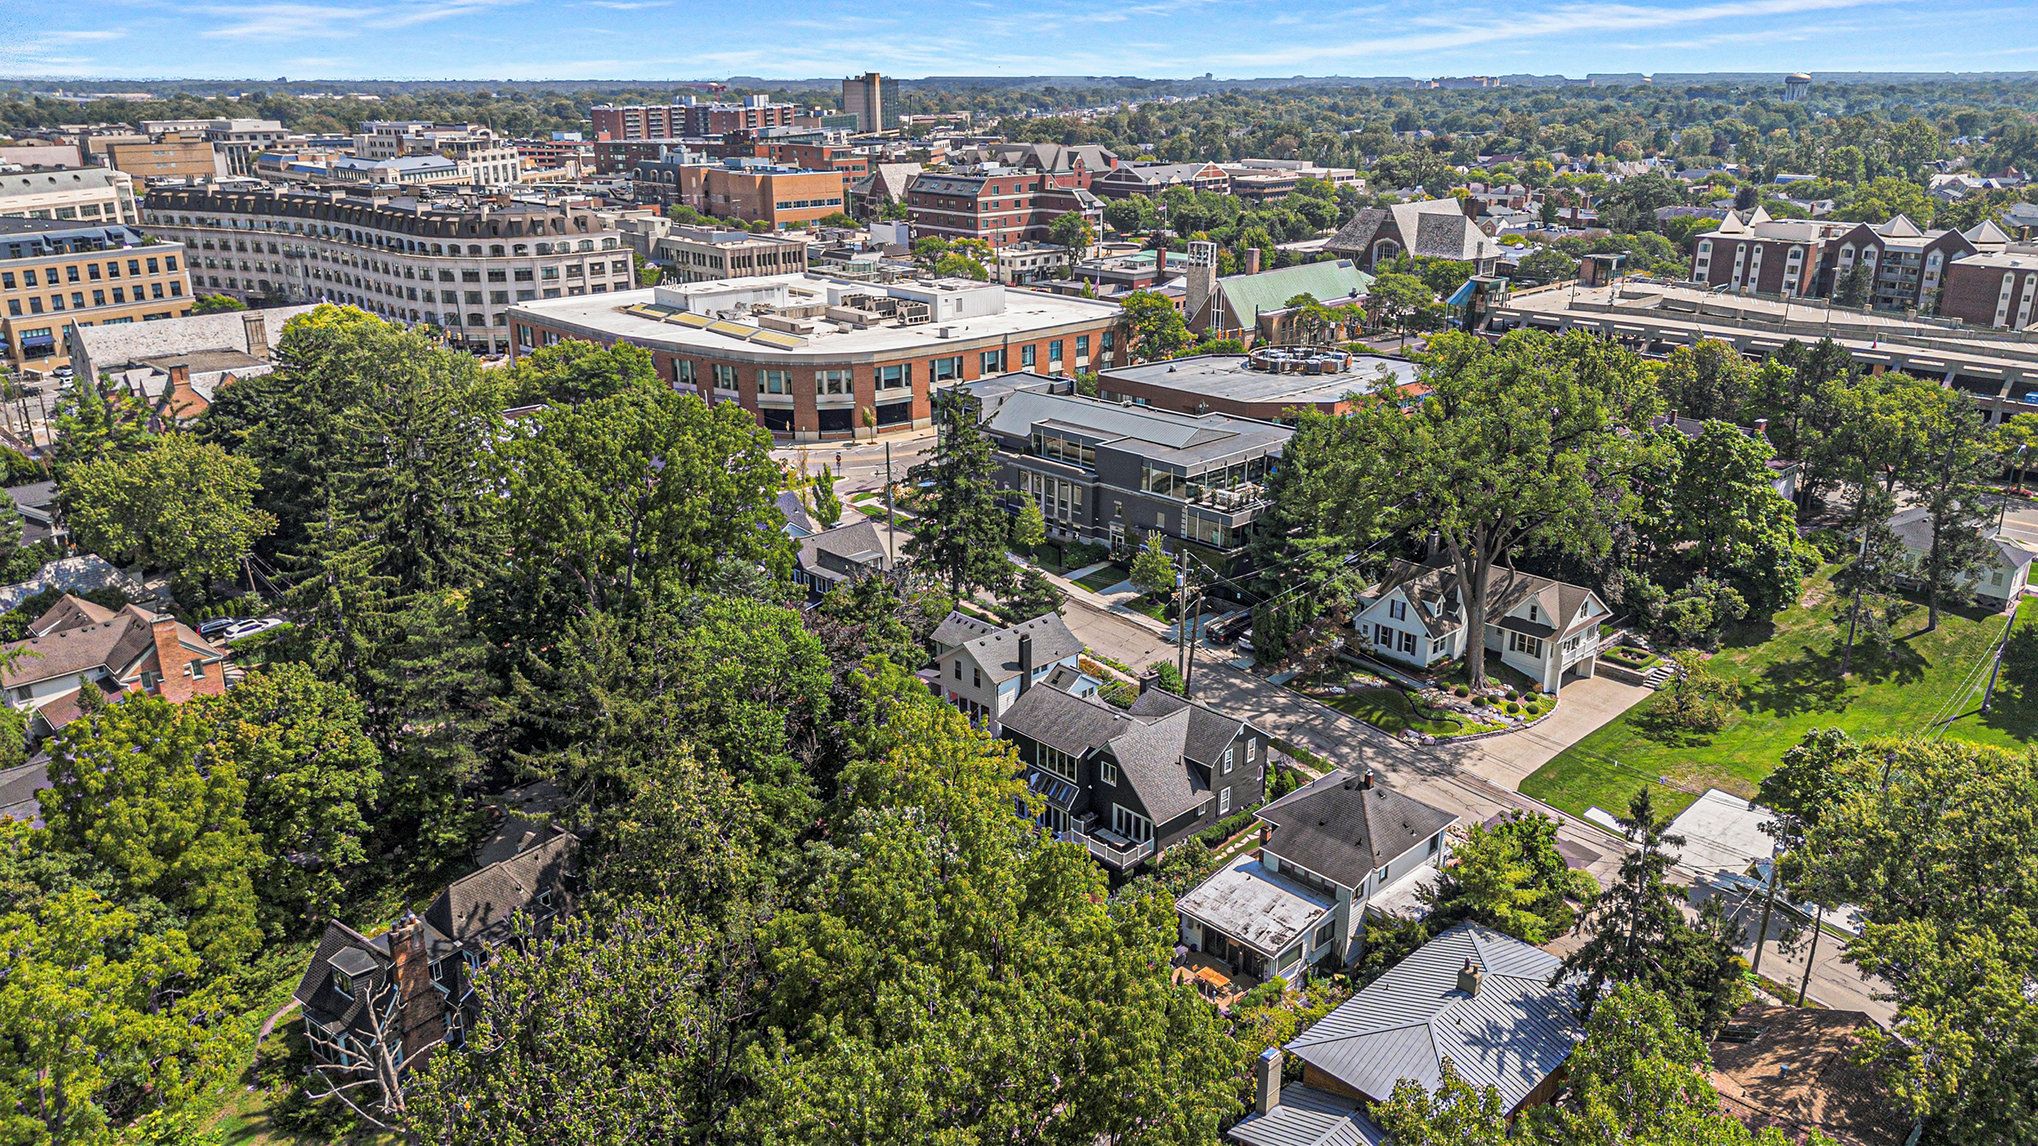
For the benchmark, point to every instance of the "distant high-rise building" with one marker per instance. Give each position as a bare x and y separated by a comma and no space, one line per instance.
870,98
1796,86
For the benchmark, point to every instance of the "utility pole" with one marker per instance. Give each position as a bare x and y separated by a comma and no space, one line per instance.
1195,616
1768,904
891,522
1988,696
1182,612
1805,984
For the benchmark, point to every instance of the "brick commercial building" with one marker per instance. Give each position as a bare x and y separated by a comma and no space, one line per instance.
55,274
820,358
999,205
671,121
176,155
754,190
455,262
1996,288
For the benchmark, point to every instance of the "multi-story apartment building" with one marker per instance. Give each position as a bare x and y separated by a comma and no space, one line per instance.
54,274
819,357
562,150
1103,472
699,255
1808,258
808,155
672,121
480,158
753,190
173,155
86,194
238,141
873,100
396,171
1993,288
1909,263
1150,179
999,205
458,262
1272,180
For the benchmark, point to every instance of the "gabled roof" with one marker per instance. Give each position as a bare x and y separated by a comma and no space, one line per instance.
1153,742
1514,1033
798,521
1210,731
960,629
861,543
481,904
997,652
1307,1116
1434,585
1342,830
363,959
77,635
1246,296
1913,527
1432,228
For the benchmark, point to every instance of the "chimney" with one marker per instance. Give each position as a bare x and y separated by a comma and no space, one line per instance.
1469,977
1267,1080
256,329
1160,264
421,1018
1025,661
1252,260
1366,784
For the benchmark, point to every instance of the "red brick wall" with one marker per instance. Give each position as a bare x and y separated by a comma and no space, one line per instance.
173,660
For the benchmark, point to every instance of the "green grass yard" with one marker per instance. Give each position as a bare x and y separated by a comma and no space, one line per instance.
1391,710
1788,669
1104,578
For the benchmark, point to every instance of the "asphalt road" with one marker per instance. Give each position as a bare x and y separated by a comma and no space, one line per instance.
1474,780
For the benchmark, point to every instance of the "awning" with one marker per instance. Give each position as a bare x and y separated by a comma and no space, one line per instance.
1464,295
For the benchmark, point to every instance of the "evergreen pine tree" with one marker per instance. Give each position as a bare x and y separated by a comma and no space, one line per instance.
962,533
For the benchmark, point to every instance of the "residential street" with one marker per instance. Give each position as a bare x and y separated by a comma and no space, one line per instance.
1476,779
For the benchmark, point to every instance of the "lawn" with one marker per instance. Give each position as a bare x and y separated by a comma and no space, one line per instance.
1056,557
1391,710
1104,578
1788,669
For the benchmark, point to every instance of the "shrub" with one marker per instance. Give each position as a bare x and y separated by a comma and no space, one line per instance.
1463,690
1482,700
1512,708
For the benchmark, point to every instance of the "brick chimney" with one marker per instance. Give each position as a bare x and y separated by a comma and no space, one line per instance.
421,1017
1252,260
1267,1081
1160,265
1025,662
1469,977
255,330
171,655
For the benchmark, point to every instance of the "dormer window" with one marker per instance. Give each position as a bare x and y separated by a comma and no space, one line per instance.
343,983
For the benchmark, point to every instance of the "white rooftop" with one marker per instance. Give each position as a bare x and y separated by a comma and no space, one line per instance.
1257,907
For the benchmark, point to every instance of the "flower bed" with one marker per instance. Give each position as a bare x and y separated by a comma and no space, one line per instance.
1629,657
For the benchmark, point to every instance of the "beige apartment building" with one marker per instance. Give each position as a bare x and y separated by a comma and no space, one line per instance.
176,155
55,274
699,255
84,194
457,262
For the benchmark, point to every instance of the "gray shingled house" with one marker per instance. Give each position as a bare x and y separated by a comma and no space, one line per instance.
1490,1003
1330,852
375,1007
1128,783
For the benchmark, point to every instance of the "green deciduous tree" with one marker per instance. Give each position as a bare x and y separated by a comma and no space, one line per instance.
216,304
573,371
1706,380
179,505
1455,1113
1511,878
312,776
131,787
1154,328
1029,526
1153,571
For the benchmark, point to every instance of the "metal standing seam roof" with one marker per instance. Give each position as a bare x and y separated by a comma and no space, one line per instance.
1248,295
1307,1116
1513,1034
1161,435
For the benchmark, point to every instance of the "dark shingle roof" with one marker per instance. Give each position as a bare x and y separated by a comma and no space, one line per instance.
997,652
18,786
481,905
340,945
1152,742
1342,830
1514,1033
960,629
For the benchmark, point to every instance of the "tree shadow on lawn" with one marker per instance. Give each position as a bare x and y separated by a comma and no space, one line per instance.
1809,679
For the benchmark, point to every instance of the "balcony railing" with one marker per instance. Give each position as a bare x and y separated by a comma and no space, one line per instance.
1109,846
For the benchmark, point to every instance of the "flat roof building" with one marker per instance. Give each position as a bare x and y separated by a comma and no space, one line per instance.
84,194
56,274
1270,384
820,357
700,254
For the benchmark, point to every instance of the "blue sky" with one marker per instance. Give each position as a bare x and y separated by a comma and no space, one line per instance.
685,39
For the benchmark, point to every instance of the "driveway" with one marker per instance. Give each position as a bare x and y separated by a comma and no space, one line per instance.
1583,706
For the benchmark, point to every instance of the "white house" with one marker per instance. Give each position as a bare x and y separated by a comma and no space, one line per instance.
2000,581
981,669
1546,630
1329,853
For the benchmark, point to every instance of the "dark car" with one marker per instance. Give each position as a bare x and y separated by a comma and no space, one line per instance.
1225,630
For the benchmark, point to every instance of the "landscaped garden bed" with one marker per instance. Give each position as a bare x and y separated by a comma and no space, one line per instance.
1627,656
1436,713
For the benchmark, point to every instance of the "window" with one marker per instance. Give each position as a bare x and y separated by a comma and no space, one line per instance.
1131,824
682,371
1525,644
725,377
832,382
1325,932
1054,353
895,377
1082,346
1383,637
1227,760
976,676
958,670
993,362
944,370
1107,770
1056,761
1026,355
1397,609
773,382
1408,643
1224,801
343,983
1380,878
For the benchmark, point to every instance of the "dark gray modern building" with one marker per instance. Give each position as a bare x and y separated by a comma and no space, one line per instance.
1103,472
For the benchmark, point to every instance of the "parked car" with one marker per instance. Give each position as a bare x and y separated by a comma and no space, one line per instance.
1230,627
246,629
218,625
